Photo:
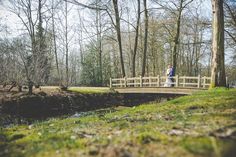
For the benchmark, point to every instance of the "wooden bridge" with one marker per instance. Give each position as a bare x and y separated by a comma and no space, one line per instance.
181,84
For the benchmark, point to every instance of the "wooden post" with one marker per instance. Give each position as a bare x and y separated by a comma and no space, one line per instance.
141,81
184,81
125,81
134,81
177,81
204,81
199,81
226,81
110,82
159,81
149,81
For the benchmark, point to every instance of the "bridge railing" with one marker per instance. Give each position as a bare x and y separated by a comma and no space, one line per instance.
160,81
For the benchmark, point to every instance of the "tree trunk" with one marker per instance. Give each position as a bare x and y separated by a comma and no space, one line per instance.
54,42
145,37
176,38
218,65
38,73
66,38
99,43
117,26
136,40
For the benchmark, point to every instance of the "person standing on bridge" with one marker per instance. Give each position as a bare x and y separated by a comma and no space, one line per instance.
169,72
171,75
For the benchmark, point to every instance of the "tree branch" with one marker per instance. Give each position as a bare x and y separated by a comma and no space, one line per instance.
234,38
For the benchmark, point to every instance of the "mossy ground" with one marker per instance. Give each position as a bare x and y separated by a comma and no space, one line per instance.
203,124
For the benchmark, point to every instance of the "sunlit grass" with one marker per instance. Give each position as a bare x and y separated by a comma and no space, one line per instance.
89,90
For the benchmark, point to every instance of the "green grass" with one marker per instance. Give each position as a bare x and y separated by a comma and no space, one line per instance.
203,124
90,90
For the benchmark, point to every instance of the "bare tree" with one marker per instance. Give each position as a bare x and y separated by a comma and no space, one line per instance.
30,13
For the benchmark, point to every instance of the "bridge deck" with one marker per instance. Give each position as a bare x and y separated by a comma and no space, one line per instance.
158,90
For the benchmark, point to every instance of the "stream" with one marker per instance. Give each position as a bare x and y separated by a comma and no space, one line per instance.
26,109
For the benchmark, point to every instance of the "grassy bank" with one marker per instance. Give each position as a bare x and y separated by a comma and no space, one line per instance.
203,124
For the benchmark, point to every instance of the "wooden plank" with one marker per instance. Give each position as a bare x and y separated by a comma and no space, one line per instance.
133,78
133,84
118,84
188,77
151,83
189,84
117,79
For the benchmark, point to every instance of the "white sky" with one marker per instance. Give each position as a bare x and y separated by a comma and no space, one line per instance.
9,19
14,24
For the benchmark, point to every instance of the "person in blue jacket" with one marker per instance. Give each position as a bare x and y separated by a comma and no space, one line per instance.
172,74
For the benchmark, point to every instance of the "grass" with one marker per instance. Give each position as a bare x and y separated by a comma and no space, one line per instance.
90,90
203,124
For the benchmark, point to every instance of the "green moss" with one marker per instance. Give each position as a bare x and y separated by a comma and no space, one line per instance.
199,146
16,137
145,138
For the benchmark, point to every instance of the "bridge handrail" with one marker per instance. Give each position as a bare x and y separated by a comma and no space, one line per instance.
160,81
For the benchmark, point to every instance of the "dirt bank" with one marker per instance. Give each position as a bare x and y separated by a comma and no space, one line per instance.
43,105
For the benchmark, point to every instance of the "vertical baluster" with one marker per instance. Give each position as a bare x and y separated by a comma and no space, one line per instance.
110,82
184,81
158,81
199,81
141,81
204,81
177,81
125,81
149,81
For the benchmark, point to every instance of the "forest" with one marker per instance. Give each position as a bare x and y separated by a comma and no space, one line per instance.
84,43
85,78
